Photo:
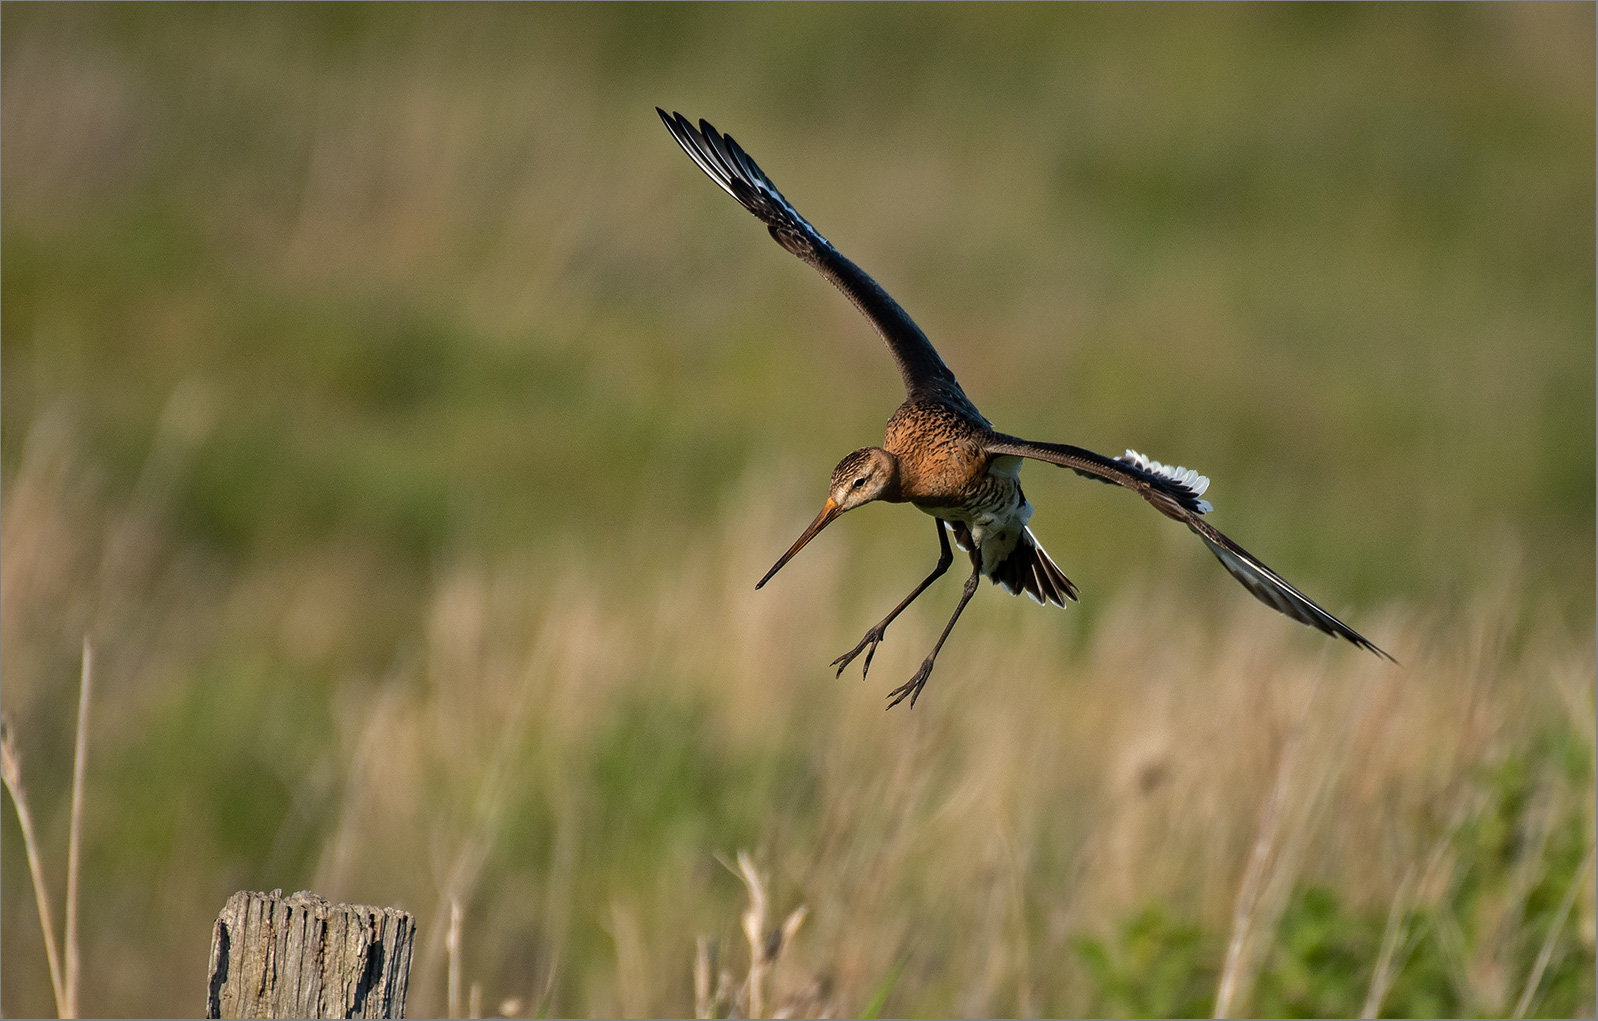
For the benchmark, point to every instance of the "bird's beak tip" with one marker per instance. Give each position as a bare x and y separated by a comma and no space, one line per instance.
828,513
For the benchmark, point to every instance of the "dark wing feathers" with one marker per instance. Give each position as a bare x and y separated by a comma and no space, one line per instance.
724,161
1273,590
1168,493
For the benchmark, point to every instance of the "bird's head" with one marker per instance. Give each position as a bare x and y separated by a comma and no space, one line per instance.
867,474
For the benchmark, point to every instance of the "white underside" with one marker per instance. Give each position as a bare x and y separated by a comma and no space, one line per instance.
997,532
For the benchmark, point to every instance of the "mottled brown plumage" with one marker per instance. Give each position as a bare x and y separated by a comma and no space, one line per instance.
941,455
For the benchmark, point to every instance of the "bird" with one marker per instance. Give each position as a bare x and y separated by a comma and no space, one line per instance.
941,456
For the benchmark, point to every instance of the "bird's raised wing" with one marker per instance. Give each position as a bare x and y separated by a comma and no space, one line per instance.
1176,492
724,161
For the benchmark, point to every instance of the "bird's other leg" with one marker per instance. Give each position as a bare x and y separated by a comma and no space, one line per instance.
868,644
913,686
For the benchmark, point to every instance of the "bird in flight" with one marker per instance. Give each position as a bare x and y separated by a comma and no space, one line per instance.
941,456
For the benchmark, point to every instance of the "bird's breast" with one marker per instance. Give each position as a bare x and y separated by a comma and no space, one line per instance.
941,457
996,512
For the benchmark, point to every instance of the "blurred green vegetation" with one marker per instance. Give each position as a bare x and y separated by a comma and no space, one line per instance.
1321,959
1320,967
328,301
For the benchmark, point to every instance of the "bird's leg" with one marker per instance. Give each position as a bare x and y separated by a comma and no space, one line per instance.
869,643
913,686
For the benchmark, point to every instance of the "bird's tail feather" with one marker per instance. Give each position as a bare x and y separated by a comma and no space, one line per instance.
1028,569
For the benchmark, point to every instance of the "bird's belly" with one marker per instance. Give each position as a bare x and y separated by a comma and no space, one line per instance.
996,525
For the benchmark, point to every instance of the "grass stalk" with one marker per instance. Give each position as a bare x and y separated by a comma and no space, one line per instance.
1536,977
11,773
1392,936
765,946
1248,893
704,1007
452,948
754,931
1397,939
80,757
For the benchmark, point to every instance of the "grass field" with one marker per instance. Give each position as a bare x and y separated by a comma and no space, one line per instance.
406,422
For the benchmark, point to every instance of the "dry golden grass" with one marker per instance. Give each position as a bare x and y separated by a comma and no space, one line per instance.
65,981
1210,762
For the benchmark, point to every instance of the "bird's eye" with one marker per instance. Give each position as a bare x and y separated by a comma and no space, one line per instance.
859,482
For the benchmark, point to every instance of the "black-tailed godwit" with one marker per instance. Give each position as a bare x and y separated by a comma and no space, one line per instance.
943,457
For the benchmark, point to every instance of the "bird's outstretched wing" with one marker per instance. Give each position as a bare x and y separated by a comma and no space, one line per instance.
1176,492
724,161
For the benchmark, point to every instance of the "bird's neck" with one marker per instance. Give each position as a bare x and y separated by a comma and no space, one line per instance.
893,492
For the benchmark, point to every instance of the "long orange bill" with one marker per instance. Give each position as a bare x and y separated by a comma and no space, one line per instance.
823,519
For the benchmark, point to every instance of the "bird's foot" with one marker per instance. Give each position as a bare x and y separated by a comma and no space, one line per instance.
912,687
868,645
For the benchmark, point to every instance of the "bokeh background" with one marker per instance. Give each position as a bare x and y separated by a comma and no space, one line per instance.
406,420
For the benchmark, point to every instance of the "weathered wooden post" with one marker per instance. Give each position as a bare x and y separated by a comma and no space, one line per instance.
299,956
